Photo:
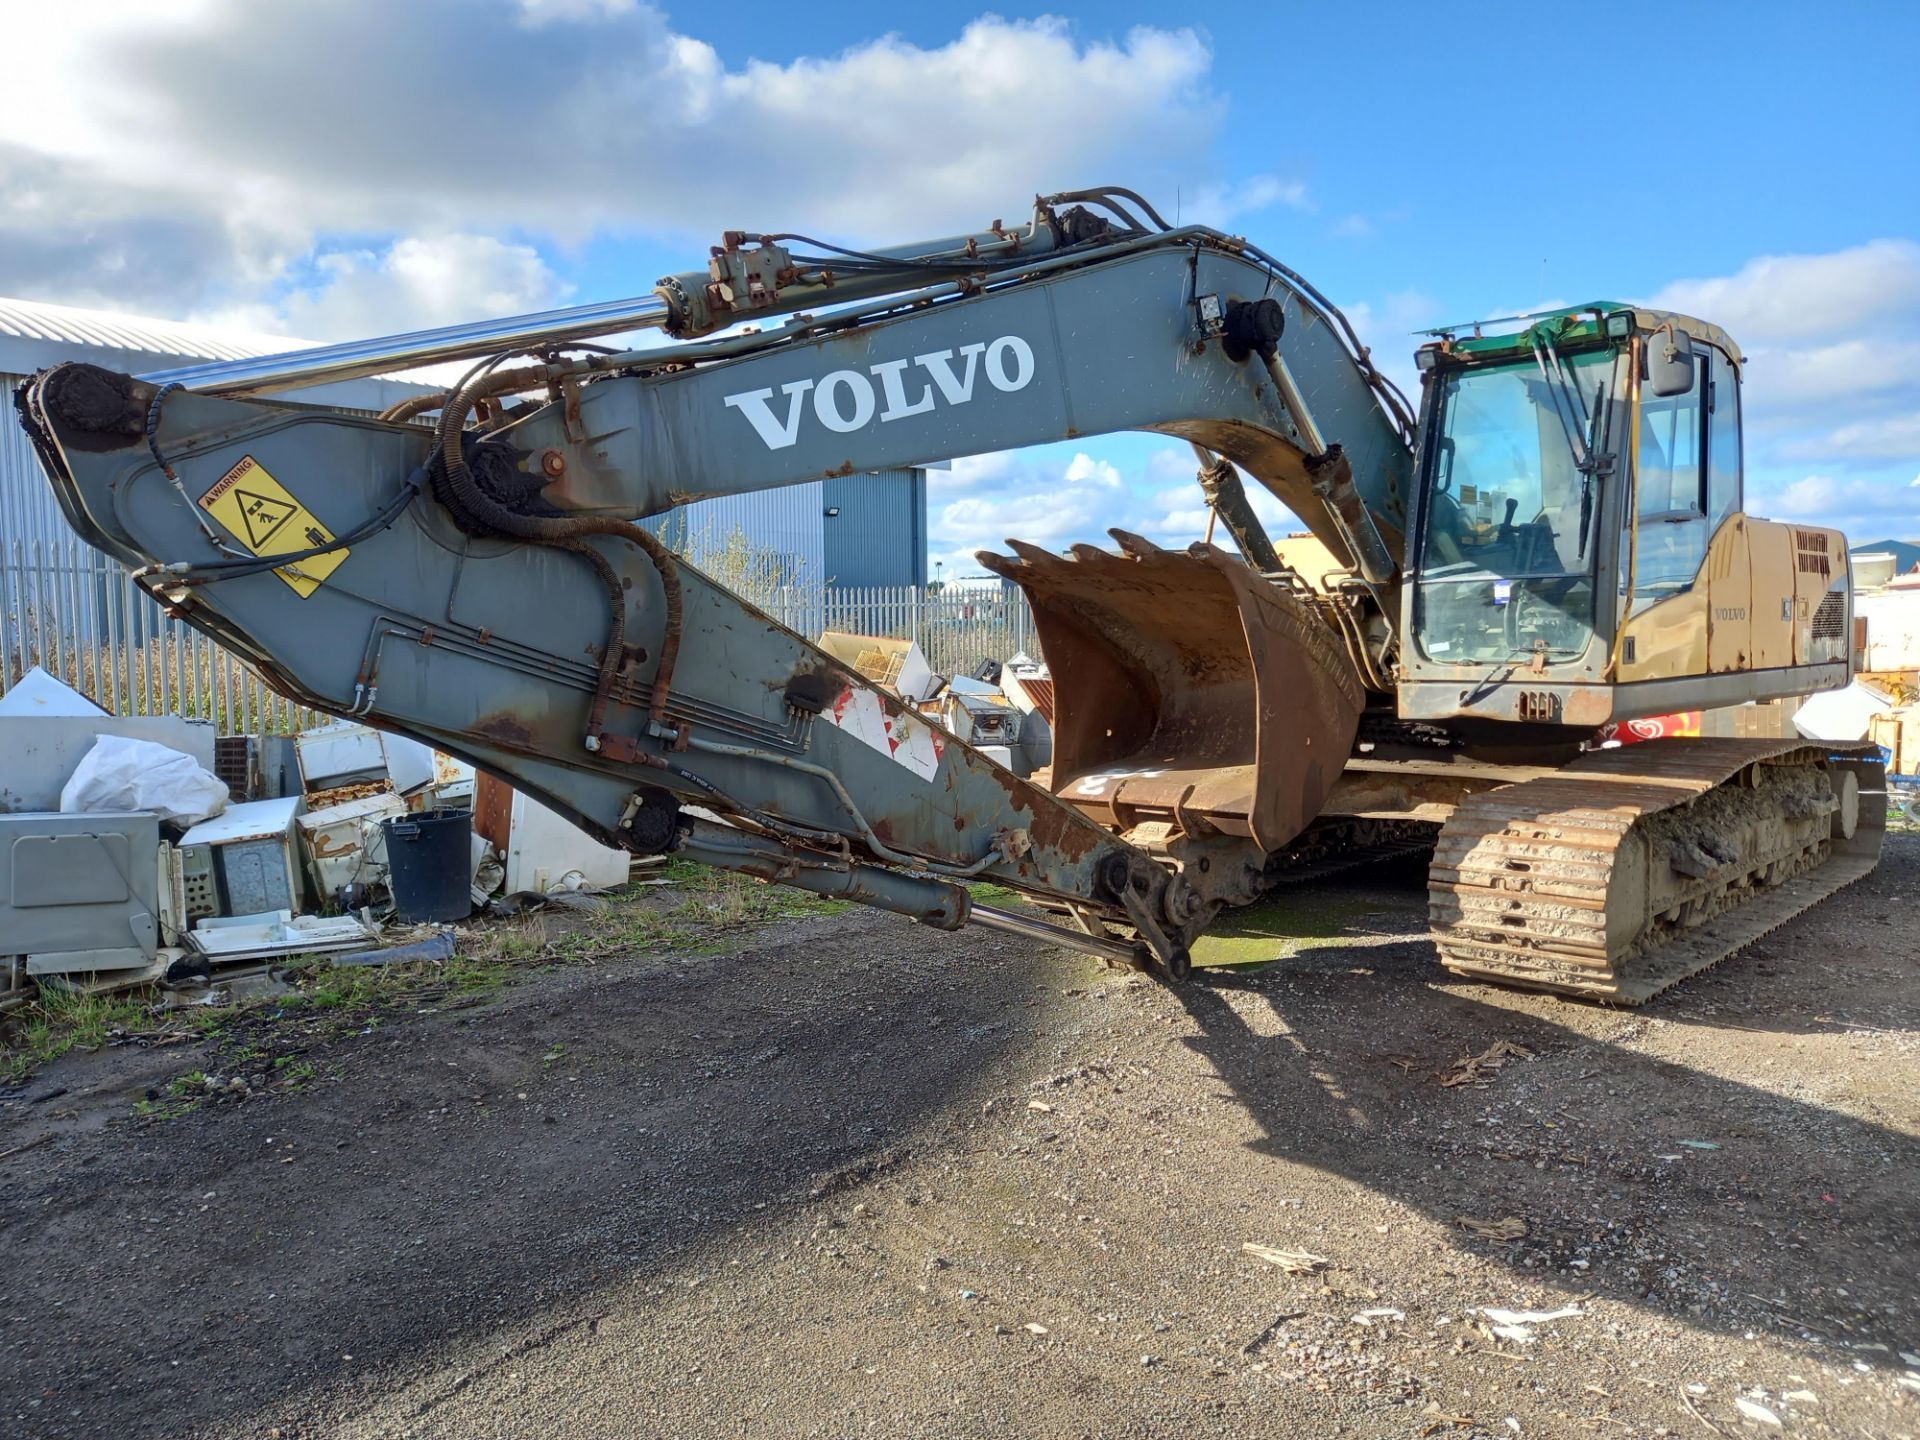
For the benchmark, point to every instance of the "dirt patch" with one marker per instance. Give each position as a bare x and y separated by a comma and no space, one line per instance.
854,1178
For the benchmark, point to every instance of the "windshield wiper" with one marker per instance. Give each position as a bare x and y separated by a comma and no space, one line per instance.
1489,682
1584,429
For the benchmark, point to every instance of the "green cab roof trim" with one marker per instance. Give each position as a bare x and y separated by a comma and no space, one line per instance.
1571,324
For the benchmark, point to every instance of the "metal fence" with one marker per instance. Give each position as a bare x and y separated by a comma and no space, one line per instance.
955,629
78,615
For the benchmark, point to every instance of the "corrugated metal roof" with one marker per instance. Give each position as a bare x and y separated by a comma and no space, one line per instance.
35,334
36,325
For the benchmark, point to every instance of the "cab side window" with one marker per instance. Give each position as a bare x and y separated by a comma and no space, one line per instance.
1723,438
1672,527
1672,453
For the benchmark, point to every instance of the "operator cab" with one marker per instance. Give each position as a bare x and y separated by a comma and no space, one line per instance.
1582,458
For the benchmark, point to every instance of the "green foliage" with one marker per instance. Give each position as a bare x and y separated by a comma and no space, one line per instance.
989,893
755,573
698,913
59,1021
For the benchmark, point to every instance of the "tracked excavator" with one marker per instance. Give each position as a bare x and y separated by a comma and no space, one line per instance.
1554,541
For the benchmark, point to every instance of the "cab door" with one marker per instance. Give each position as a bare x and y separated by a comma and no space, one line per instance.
1667,634
1729,568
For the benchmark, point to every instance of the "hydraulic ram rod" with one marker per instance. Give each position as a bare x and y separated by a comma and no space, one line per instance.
355,358
1130,953
689,311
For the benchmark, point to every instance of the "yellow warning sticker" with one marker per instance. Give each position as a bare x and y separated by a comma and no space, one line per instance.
263,516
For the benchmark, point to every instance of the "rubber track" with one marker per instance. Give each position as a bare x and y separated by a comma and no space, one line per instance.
1522,876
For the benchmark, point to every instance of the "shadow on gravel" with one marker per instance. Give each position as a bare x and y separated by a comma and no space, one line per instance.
474,1174
1587,1143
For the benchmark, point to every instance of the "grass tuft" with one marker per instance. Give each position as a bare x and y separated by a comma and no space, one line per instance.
58,1021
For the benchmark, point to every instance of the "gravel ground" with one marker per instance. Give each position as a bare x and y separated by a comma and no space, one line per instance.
852,1179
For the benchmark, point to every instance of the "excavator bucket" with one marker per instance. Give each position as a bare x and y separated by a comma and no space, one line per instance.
1190,691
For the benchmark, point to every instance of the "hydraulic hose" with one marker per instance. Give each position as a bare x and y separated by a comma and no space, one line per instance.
567,533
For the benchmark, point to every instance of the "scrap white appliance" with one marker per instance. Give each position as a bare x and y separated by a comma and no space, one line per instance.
1555,541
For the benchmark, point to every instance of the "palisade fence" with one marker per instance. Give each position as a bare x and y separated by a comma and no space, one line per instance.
78,615
956,629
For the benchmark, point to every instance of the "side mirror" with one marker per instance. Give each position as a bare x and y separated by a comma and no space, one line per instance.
1670,363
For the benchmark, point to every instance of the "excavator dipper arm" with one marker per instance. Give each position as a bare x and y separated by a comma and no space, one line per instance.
478,584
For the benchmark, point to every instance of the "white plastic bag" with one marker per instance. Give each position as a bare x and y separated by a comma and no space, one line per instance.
123,774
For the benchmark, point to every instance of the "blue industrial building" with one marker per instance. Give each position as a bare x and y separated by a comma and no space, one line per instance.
848,532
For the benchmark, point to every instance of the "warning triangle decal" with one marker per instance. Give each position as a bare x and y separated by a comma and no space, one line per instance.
262,515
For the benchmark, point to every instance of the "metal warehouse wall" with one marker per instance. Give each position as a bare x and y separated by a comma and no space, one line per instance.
880,535
782,530
27,509
878,538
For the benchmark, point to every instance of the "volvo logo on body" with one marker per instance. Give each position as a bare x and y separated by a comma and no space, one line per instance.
847,400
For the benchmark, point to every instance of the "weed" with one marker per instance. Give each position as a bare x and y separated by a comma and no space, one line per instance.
325,999
720,899
522,939
994,894
59,1021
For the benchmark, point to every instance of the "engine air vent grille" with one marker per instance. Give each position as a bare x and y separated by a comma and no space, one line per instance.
1830,616
1539,706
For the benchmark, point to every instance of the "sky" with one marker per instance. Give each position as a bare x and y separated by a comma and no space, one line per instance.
349,168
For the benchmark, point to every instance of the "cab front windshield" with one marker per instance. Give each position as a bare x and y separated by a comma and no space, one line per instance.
1512,522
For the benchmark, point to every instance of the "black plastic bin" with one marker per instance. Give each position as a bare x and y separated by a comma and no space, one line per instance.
430,864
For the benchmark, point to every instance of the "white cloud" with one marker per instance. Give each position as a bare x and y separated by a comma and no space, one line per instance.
428,280
1889,437
536,13
1832,379
1222,205
184,158
1805,297
1828,500
1084,470
970,473
1387,328
1030,500
1052,501
1813,376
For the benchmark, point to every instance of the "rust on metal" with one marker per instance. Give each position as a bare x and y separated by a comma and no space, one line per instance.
1188,689
1041,693
1051,827
813,688
506,729
1631,869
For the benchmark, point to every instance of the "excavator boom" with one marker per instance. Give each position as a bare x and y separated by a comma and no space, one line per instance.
1556,541
479,584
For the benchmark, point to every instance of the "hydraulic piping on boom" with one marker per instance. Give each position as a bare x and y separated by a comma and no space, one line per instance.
480,582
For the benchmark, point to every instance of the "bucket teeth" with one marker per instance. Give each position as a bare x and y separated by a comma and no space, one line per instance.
1138,546
1033,554
998,564
1202,696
